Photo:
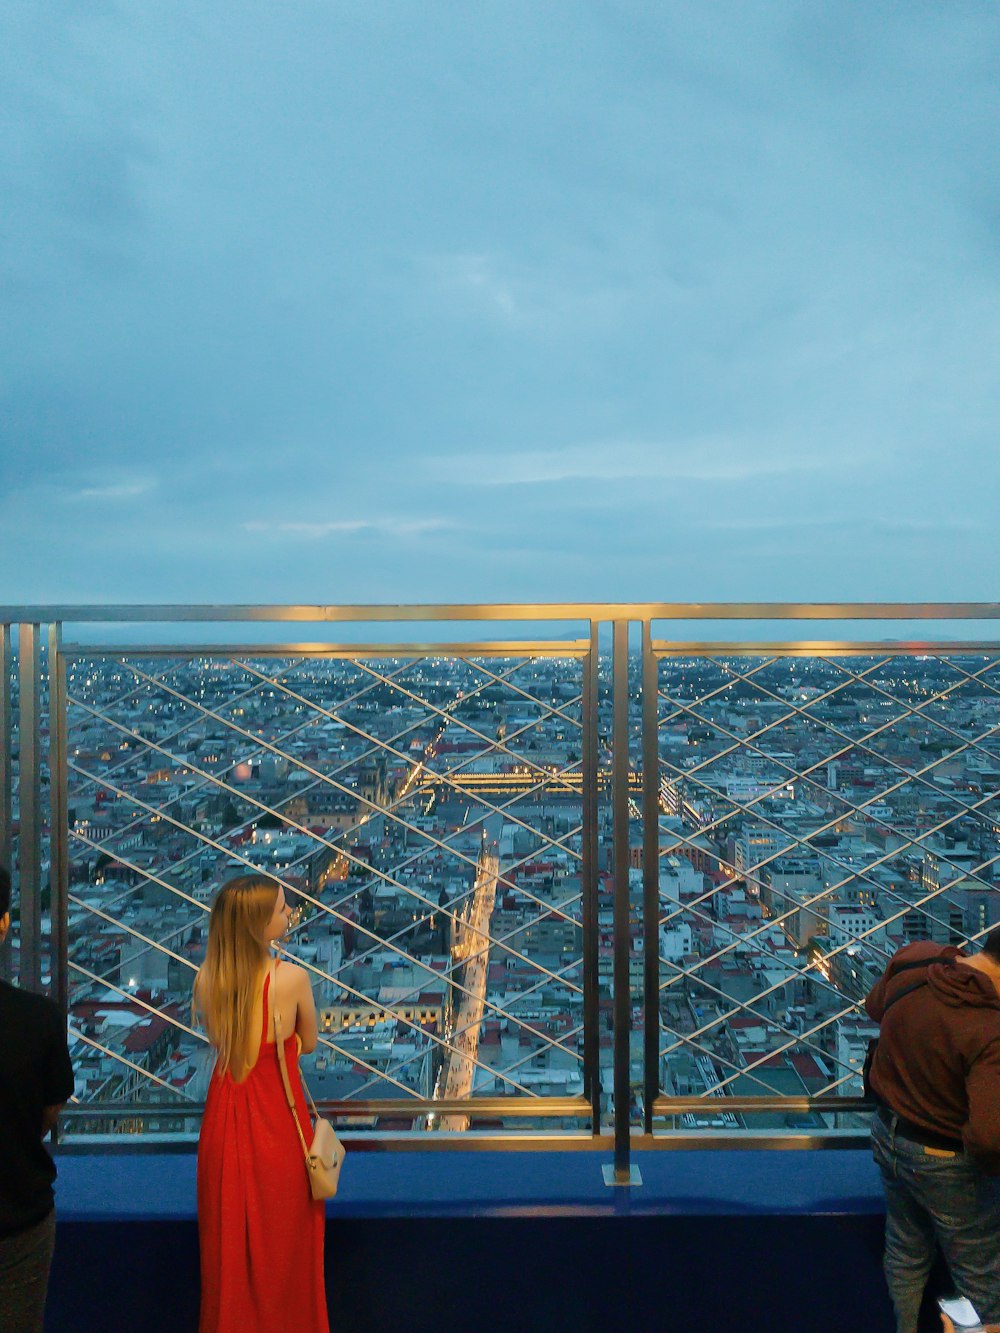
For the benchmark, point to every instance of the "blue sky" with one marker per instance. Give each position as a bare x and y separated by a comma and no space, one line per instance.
519,301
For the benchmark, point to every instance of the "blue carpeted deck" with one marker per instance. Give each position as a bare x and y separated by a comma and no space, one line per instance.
769,1240
160,1187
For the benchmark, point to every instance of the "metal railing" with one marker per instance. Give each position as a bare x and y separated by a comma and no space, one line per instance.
507,854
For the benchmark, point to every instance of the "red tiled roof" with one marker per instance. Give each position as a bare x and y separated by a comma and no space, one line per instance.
143,1035
806,1066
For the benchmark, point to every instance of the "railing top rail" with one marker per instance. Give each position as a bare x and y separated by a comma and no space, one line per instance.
823,647
507,649
46,614
485,1108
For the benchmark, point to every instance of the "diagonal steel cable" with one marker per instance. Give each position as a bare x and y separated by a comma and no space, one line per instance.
290,823
548,1043
763,950
178,731
551,710
299,764
123,1060
381,940
914,776
819,1027
847,806
851,742
442,1043
180,930
382,679
803,775
736,677
136,1000
106,845
491,940
148,875
257,749
718,1058
809,902
547,909
832,953
791,710
852,941
747,1007
874,688
325,907
160,946
489,742
357,926
908,906
446,777
447,973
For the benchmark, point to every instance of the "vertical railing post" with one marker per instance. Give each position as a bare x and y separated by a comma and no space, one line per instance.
588,870
30,806
650,877
621,1173
6,779
58,820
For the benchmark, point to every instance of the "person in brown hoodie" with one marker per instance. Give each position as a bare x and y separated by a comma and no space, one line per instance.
935,1077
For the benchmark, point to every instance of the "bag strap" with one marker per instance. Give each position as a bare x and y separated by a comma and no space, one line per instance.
309,1096
279,1047
906,967
904,992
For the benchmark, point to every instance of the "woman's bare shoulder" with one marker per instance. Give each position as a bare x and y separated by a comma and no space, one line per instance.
291,974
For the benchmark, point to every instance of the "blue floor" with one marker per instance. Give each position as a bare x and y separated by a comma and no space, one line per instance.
493,1242
147,1186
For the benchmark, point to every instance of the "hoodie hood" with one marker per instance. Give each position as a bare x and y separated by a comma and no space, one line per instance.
957,985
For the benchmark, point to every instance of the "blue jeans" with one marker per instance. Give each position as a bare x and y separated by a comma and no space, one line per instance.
934,1198
24,1276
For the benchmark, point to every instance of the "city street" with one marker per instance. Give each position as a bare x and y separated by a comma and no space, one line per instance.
473,946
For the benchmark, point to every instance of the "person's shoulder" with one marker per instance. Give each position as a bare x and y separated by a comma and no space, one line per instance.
291,974
294,977
27,1006
918,952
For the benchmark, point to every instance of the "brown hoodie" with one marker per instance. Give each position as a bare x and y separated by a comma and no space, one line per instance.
938,1057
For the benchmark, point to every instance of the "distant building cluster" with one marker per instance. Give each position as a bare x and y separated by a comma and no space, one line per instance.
426,815
818,815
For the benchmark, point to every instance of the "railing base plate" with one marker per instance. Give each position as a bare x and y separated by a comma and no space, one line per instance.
634,1176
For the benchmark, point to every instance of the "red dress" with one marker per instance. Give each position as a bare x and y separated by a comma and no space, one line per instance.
260,1230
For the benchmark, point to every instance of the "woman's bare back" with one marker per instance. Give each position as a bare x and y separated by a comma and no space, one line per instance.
286,992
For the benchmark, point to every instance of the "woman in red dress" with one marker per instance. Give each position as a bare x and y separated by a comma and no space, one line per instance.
261,1232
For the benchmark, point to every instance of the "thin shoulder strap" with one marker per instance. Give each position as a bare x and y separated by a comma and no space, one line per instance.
267,987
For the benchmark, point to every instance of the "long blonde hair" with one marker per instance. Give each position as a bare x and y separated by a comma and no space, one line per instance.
226,989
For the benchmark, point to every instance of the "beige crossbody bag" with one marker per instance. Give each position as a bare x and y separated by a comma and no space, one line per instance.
325,1156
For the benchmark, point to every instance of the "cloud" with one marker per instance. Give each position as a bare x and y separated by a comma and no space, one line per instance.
859,522
120,490
916,526
550,325
478,280
382,527
705,460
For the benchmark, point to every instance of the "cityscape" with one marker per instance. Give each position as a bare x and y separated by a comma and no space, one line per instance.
426,817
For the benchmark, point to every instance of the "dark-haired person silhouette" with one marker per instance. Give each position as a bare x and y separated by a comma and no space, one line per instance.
36,1077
